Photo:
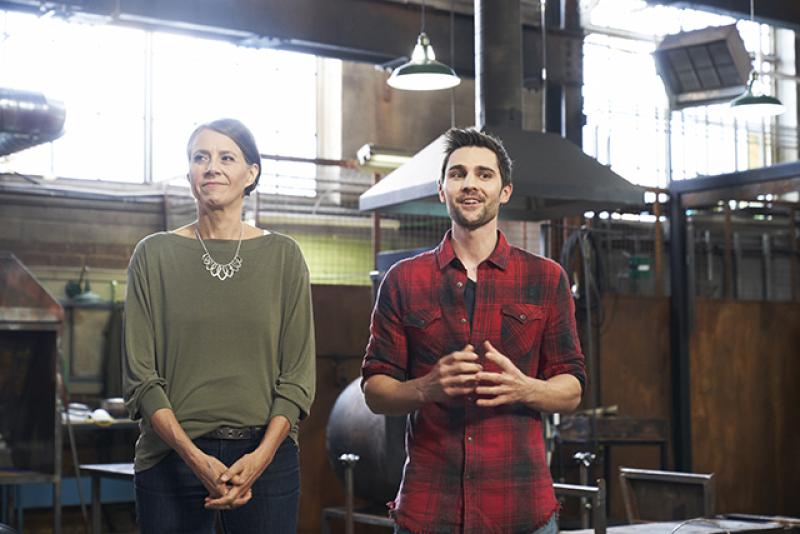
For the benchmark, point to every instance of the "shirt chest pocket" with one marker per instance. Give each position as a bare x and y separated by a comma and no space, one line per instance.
424,331
522,327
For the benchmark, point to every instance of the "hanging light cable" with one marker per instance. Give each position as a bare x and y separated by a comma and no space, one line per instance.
423,72
750,105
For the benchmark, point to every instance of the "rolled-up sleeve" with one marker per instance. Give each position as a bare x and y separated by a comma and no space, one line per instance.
296,382
387,349
561,349
144,390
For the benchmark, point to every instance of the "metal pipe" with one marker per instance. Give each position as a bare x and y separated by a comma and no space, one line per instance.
691,262
594,366
376,230
543,14
346,163
738,268
793,253
498,64
349,461
766,266
680,306
584,460
148,107
709,256
728,253
658,247
668,148
599,508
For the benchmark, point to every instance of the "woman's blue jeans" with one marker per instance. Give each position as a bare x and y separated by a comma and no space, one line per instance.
170,498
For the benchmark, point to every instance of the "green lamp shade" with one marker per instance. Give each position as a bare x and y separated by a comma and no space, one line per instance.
423,72
753,107
428,76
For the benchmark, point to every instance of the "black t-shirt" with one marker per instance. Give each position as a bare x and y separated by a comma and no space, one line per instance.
469,299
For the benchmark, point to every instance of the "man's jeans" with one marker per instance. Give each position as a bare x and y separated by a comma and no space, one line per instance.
551,527
170,498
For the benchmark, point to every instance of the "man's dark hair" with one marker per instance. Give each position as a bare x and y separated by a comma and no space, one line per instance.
240,135
456,138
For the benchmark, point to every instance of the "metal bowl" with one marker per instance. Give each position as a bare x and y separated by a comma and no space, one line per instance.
115,406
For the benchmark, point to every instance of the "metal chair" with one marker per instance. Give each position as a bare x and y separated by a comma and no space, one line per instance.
666,495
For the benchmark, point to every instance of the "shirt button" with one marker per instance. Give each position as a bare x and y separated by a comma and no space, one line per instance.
522,316
459,284
469,438
463,321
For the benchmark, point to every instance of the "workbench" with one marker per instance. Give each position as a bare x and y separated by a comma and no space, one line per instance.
695,526
97,472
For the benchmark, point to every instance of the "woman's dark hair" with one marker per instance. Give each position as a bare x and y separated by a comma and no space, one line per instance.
456,138
240,135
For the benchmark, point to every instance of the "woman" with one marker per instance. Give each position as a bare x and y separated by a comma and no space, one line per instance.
219,355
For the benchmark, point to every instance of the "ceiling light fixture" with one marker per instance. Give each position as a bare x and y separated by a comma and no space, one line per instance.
423,72
752,106
382,158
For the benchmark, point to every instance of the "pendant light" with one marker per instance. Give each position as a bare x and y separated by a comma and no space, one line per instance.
423,72
751,106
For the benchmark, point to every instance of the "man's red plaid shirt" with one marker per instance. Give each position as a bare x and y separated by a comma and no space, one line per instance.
472,469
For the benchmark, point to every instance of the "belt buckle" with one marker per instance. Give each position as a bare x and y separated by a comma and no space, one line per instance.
229,432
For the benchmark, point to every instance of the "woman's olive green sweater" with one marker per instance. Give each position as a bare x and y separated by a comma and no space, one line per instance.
218,353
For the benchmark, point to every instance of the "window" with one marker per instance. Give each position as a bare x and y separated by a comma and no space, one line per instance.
102,87
272,92
133,97
629,124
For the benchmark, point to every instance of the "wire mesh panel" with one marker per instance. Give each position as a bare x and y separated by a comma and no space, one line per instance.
317,205
757,262
753,256
622,254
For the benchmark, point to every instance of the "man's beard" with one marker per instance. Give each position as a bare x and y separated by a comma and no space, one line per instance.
486,215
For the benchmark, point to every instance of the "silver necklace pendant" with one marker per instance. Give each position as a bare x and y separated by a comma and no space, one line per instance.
217,270
223,272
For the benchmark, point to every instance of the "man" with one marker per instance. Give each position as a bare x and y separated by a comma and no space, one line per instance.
473,340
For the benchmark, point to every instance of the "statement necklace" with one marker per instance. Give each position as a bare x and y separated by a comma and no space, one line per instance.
217,270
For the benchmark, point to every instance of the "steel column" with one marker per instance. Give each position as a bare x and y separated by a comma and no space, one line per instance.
679,336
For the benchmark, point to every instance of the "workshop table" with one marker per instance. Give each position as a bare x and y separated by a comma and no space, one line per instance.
694,526
98,472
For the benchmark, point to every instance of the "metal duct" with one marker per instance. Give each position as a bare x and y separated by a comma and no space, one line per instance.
28,119
498,64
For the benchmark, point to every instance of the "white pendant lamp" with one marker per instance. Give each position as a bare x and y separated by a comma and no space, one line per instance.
754,105
423,72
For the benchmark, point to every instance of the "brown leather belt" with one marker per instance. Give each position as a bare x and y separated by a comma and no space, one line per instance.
229,432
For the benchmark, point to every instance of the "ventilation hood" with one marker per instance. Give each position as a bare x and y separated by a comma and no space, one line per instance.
28,119
23,300
552,176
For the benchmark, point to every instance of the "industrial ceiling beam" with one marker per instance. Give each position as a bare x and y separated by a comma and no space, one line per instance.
785,13
373,31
